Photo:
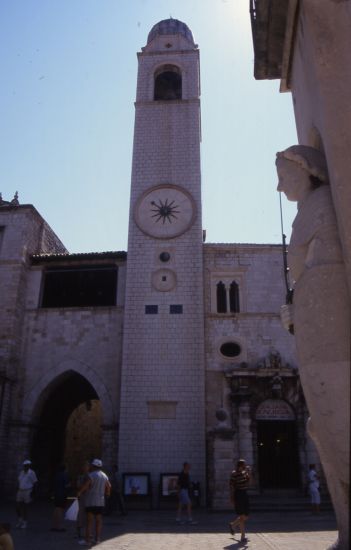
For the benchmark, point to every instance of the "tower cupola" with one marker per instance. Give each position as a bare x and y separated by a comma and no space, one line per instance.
169,27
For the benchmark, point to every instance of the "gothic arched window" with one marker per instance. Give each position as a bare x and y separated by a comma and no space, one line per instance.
234,305
221,298
168,83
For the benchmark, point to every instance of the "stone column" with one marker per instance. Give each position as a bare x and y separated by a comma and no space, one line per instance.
227,297
244,433
222,465
109,436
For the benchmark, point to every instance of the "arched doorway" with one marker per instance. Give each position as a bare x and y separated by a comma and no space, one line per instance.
277,445
68,428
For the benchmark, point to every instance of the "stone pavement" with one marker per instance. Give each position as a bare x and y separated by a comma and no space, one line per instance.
157,530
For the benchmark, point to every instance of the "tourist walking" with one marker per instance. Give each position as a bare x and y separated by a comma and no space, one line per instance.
61,485
184,500
313,488
238,485
26,482
96,488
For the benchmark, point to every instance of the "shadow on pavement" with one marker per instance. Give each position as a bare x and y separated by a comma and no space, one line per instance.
38,535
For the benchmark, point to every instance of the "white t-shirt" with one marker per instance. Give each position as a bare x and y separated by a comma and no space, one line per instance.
313,479
95,495
26,480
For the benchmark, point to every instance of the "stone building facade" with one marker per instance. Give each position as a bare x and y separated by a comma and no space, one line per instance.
176,353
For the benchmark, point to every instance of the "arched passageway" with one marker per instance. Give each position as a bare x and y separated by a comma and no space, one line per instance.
68,428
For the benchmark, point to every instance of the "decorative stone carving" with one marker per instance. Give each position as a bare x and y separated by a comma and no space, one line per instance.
14,202
275,360
2,202
277,386
274,409
221,415
164,280
222,418
321,316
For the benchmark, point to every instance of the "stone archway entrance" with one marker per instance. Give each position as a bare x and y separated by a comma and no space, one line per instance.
68,429
277,445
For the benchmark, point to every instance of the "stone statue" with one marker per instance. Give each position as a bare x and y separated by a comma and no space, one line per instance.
15,201
321,317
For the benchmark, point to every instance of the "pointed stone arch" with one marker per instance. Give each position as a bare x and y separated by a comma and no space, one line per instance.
41,388
71,418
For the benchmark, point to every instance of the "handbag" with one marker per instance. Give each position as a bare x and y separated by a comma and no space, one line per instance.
72,512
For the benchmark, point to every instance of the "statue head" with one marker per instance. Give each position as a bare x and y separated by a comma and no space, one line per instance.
301,169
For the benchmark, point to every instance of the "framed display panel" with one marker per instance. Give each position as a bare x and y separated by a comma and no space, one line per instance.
169,485
136,484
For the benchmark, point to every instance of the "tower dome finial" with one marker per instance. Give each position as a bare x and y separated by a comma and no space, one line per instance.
170,26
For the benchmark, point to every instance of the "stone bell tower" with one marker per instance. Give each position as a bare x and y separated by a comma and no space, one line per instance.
162,388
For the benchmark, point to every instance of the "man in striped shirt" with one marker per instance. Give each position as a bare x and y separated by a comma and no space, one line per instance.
238,484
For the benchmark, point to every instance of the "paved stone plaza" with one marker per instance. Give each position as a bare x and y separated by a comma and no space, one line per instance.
157,530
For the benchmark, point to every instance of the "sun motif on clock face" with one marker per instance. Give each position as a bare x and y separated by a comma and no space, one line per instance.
165,211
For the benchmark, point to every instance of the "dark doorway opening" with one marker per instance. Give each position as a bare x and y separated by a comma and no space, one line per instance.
278,462
168,84
68,430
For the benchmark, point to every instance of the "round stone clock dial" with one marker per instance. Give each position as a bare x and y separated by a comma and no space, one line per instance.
165,211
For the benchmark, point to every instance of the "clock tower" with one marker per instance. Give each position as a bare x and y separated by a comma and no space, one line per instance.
162,410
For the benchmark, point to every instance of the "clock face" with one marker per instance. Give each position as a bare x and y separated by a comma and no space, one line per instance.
165,211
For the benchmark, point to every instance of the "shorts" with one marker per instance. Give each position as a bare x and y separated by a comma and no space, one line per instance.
95,510
23,495
241,502
184,496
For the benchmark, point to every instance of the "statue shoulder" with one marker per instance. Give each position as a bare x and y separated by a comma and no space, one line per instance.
315,212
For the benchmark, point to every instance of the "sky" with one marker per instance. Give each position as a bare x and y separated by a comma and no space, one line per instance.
68,74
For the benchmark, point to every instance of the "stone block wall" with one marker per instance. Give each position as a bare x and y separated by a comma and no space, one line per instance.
5,401
87,340
23,232
57,341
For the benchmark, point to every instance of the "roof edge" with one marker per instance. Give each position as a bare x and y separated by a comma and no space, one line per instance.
37,259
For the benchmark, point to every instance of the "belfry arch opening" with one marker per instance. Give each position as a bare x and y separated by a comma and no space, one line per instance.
168,83
67,429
